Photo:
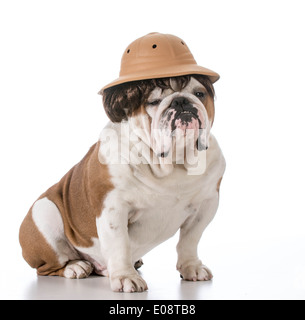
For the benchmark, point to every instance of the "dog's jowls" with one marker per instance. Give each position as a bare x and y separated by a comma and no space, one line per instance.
155,170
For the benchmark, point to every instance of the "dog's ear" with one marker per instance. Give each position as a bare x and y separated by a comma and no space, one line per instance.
122,101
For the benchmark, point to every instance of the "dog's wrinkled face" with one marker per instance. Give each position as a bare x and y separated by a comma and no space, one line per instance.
179,117
168,115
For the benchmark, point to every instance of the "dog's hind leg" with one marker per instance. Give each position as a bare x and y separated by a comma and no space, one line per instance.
45,246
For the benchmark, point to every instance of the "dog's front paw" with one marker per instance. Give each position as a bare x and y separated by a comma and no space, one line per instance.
128,283
195,272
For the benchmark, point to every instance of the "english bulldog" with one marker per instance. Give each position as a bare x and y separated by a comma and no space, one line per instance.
156,169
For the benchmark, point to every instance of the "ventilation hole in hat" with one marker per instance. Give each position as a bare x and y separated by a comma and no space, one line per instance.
154,46
182,42
128,50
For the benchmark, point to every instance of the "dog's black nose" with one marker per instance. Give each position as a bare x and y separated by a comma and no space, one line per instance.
180,102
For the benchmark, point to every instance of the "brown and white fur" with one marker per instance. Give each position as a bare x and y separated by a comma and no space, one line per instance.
104,215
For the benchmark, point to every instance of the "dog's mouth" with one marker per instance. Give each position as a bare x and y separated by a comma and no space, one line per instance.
180,126
183,120
186,121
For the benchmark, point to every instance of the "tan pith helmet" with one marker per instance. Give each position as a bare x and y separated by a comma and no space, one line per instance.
158,55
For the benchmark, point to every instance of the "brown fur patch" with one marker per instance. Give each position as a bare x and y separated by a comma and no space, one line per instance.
140,111
79,196
209,105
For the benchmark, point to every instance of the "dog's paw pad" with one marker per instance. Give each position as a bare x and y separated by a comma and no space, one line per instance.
78,269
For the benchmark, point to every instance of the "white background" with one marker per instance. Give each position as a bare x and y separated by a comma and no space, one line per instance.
56,55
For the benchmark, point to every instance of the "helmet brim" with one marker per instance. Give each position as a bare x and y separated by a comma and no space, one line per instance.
171,71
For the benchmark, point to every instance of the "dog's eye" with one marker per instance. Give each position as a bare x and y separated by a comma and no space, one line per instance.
154,103
200,94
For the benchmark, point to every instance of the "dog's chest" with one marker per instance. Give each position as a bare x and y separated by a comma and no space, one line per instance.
159,209
157,222
162,212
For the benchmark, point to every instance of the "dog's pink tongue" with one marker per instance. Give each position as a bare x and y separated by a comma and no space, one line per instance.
183,125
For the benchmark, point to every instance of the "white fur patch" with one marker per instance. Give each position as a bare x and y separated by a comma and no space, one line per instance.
49,222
